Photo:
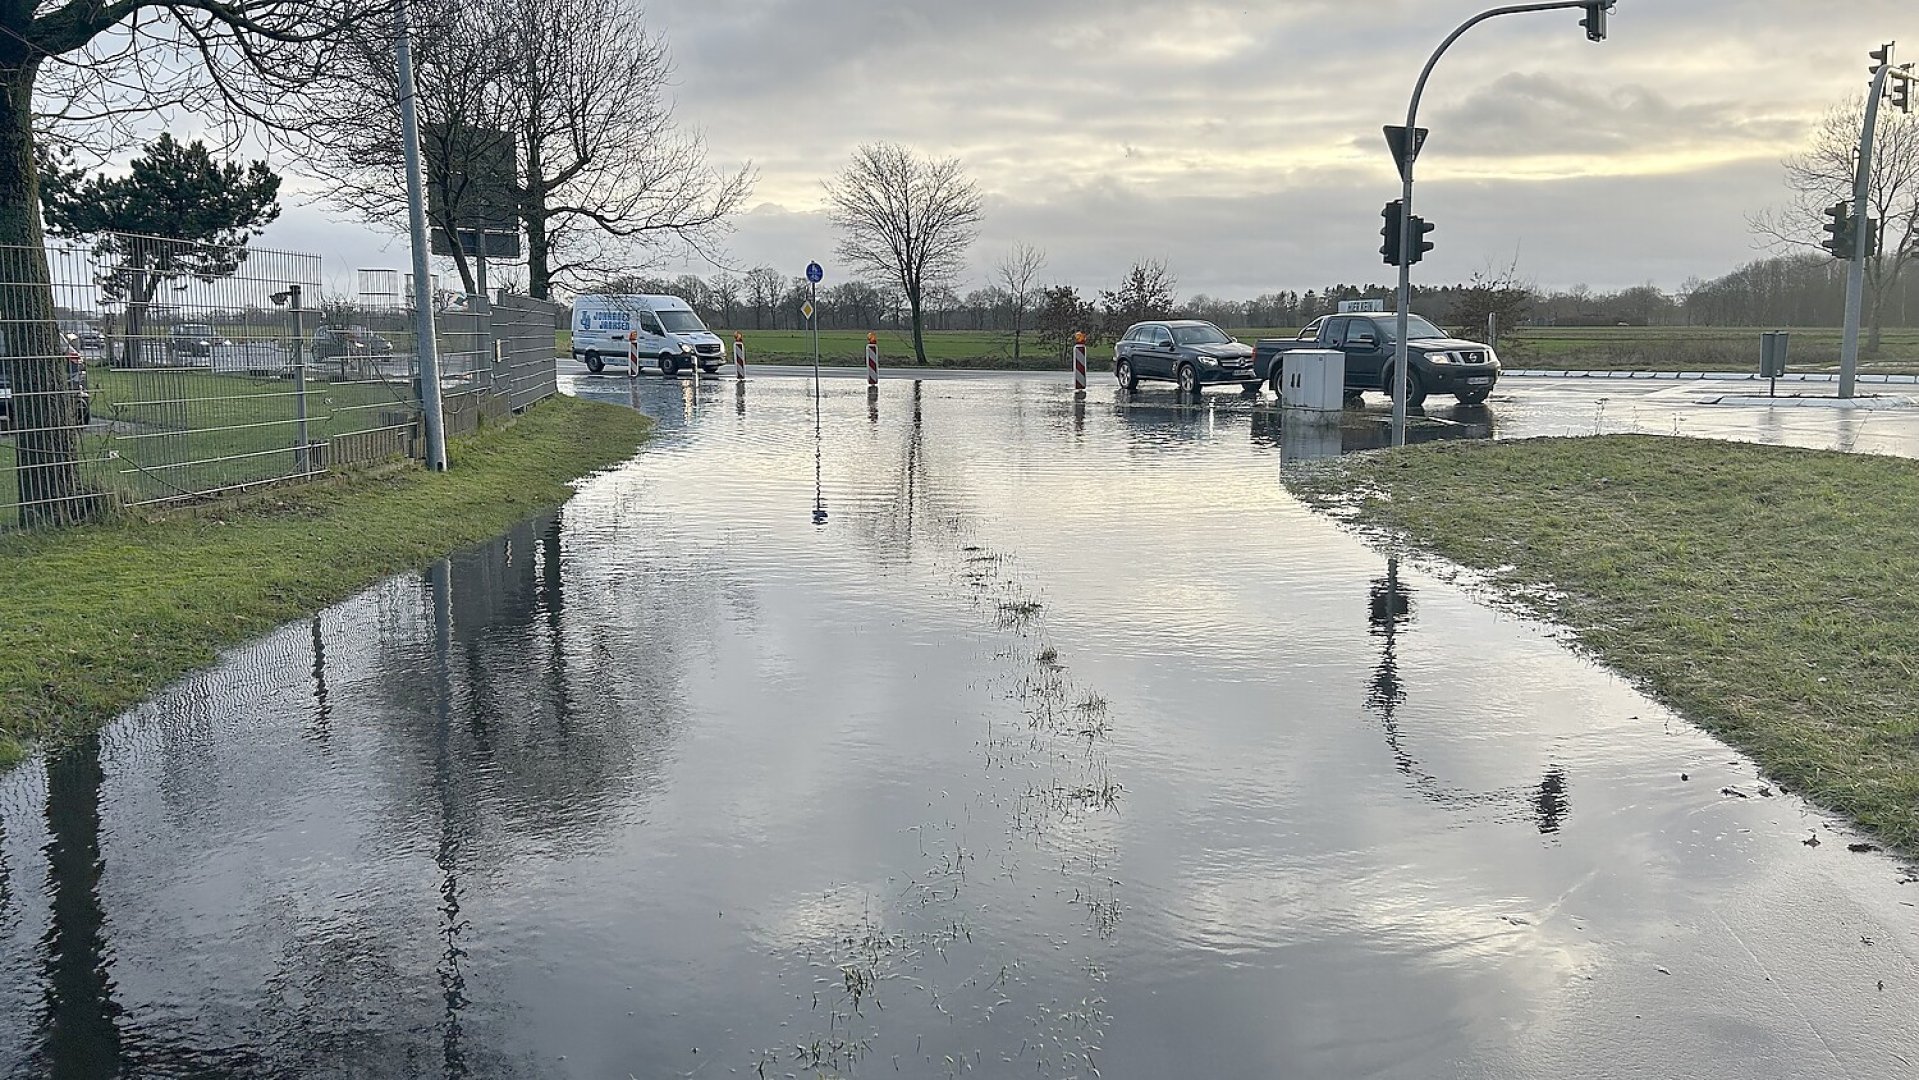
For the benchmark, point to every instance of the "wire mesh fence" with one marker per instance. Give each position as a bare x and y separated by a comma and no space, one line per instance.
137,370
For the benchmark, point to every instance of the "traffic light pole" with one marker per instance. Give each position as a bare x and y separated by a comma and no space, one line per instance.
1411,153
1856,272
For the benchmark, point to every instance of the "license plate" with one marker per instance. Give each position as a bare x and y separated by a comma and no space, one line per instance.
1479,382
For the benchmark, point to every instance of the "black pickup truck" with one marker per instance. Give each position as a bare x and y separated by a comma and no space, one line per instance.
1436,363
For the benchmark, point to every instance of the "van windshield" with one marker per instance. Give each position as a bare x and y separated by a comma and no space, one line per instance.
681,322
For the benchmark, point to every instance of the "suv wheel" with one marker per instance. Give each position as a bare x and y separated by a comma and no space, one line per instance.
1189,379
1415,387
1123,371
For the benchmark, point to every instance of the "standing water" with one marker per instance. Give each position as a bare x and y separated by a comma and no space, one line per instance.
984,731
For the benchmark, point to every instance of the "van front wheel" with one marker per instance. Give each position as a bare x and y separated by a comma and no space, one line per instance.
594,364
669,367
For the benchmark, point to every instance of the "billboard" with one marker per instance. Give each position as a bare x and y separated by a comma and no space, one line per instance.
471,172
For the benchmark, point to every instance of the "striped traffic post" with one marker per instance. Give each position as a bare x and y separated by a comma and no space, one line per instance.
632,354
872,359
1079,362
739,356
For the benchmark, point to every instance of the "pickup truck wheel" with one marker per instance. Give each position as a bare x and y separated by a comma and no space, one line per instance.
1189,379
1274,381
1477,397
669,367
1123,371
1415,387
594,364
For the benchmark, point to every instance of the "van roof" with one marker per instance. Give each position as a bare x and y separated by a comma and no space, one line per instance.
617,301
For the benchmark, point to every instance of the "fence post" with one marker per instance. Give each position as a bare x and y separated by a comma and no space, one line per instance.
1079,362
303,456
872,360
739,356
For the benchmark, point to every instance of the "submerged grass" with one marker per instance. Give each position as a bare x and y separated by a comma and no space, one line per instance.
99,618
1771,595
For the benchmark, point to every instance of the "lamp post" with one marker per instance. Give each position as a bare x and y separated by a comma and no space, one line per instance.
1405,143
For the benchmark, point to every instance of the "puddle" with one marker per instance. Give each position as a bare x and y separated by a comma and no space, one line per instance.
978,730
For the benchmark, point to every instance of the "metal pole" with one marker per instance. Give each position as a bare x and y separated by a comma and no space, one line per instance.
1856,272
302,459
1406,197
813,302
426,345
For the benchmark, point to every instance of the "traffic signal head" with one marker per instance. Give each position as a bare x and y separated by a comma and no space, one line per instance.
1421,245
1900,92
1838,230
1390,232
1881,56
1595,20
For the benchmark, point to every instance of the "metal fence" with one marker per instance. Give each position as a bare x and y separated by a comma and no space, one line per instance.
136,371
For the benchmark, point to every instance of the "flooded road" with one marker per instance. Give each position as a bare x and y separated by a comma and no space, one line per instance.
974,731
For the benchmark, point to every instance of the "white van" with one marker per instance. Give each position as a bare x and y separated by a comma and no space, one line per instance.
671,336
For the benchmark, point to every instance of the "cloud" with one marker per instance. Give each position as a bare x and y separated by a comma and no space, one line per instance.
1241,142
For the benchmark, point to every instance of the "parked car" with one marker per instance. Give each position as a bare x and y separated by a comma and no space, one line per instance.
1186,351
82,335
194,339
350,343
1436,363
76,382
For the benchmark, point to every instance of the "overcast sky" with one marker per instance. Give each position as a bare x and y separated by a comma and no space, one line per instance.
1240,142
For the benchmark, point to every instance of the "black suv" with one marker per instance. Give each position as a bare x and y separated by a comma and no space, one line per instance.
1186,351
1436,363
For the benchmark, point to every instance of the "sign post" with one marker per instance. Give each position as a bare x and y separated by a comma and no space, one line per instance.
813,276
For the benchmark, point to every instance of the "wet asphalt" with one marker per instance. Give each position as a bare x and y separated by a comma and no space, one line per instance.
964,729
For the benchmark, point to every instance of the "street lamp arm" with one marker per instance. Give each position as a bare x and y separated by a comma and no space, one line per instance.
1419,88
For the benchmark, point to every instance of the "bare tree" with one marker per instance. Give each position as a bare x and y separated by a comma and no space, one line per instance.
906,220
1147,292
763,287
725,290
1823,175
1019,275
605,180
102,66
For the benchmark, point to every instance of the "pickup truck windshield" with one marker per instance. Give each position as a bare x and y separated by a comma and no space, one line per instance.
1416,328
1205,334
681,322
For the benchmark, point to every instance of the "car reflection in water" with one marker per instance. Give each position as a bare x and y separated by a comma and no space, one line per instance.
1301,437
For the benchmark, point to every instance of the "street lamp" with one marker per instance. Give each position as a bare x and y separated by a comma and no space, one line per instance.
1405,143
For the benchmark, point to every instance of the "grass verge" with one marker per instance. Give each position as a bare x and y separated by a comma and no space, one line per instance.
101,617
1770,595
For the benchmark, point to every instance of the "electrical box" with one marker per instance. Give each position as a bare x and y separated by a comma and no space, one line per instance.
1772,353
1313,380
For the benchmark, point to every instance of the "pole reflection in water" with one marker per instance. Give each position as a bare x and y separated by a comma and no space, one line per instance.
739,398
82,1031
1389,614
452,977
322,708
873,404
819,445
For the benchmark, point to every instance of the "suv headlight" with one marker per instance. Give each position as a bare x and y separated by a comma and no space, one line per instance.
1440,357
1209,361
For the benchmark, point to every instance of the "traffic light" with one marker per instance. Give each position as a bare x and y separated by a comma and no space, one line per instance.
1901,91
1872,236
1390,249
1421,245
1881,56
1838,230
1595,20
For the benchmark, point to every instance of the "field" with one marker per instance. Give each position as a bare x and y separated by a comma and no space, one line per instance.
1604,348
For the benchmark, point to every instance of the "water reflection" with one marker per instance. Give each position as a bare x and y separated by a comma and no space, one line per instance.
82,1036
1389,615
1302,437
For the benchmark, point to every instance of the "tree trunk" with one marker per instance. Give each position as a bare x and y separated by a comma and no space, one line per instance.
919,324
43,412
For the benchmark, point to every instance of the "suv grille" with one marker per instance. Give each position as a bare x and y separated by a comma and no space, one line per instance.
1475,356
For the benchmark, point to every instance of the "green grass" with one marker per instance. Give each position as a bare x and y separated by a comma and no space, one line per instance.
100,617
1770,595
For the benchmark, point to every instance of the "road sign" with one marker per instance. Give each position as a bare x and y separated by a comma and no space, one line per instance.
806,309
1396,142
1347,307
814,273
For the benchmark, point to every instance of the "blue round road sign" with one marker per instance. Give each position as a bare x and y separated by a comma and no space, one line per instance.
814,273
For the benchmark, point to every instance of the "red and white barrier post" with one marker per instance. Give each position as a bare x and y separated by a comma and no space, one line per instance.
632,354
739,356
872,360
1079,362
